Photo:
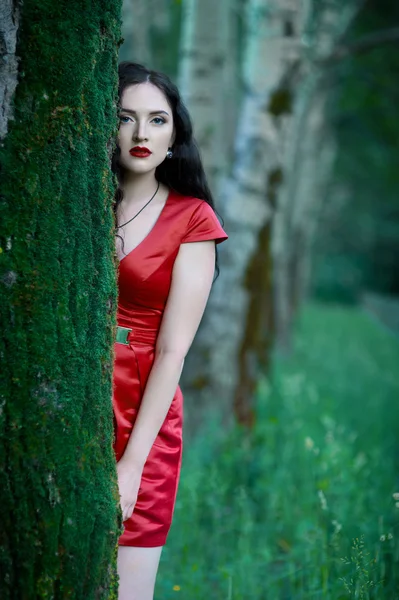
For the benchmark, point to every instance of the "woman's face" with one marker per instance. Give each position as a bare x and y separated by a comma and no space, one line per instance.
146,128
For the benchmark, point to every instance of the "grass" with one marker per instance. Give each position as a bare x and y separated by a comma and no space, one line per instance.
305,507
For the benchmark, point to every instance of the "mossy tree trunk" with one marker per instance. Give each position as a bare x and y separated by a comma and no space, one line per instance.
58,490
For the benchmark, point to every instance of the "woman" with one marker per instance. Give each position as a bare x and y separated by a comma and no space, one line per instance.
166,235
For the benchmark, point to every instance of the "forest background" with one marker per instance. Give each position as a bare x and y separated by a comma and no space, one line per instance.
295,111
290,484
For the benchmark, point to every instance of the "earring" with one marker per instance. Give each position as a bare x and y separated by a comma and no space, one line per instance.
169,153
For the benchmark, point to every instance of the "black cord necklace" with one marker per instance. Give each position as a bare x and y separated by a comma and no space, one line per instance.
141,209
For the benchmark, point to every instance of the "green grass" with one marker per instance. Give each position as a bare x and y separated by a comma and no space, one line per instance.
303,508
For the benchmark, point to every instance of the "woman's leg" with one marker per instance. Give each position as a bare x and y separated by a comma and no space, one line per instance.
137,570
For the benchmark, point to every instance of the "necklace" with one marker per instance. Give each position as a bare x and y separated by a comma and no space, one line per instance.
141,209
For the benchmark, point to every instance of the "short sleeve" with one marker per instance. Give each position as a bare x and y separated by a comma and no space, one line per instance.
204,225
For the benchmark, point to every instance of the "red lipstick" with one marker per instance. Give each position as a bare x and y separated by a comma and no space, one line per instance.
140,152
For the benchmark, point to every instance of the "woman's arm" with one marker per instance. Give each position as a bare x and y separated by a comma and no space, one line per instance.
192,277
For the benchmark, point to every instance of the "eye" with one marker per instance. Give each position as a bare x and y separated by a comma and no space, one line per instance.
158,120
122,117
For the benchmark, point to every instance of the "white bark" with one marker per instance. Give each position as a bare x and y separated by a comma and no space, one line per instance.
212,366
305,163
203,69
282,245
9,23
318,152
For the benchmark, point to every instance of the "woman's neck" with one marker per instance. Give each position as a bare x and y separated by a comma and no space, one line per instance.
138,187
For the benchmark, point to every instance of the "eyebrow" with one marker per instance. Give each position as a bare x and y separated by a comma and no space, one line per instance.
155,112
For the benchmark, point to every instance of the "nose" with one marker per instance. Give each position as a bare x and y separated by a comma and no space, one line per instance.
140,131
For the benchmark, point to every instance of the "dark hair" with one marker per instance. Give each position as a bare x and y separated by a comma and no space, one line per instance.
183,172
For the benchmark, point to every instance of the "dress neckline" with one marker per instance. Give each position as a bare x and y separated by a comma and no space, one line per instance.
152,228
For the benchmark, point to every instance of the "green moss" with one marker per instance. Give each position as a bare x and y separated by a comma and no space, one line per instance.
200,382
274,180
280,102
254,354
57,304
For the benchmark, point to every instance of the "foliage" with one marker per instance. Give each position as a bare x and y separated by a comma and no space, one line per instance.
358,242
307,506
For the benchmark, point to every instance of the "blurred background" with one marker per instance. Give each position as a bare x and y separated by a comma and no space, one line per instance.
290,483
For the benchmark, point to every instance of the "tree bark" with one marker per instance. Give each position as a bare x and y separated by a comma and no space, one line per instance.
9,23
299,196
284,249
318,153
205,54
60,516
232,344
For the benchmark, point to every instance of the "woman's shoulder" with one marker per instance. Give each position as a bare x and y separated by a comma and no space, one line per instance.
199,220
189,204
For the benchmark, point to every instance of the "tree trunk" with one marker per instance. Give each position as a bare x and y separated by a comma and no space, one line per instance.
233,341
306,160
318,153
9,23
283,248
205,53
60,517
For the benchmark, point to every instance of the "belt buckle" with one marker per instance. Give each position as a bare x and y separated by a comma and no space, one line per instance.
122,334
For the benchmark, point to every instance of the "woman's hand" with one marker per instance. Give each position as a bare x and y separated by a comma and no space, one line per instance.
129,478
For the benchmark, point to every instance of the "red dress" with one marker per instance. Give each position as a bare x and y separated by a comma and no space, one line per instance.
144,278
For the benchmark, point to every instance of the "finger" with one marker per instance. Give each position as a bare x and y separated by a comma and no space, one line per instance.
128,511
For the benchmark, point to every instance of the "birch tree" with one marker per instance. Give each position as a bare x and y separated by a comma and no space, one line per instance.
306,162
203,74
233,341
58,489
